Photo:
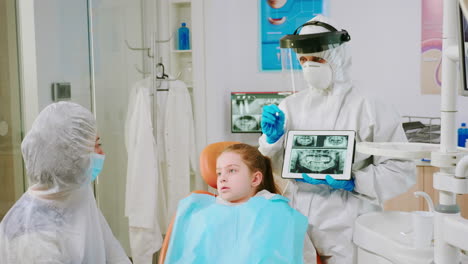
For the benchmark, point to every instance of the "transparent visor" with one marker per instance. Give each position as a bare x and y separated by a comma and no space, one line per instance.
292,71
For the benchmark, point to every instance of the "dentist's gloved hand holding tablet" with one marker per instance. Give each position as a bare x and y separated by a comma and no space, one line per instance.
329,180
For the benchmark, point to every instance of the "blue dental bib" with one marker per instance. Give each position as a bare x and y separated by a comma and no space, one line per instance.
258,231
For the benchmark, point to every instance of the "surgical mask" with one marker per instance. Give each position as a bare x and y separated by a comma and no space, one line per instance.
317,75
97,163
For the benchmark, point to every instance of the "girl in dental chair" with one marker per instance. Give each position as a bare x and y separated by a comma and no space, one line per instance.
248,222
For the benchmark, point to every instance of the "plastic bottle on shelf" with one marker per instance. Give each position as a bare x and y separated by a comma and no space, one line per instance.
184,37
462,135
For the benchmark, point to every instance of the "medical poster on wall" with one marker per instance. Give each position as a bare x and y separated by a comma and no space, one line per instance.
431,46
279,18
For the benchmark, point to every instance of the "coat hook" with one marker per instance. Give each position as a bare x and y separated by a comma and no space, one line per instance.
163,41
148,50
140,71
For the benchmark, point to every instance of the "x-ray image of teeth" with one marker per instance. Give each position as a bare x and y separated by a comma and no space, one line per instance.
246,106
246,123
335,141
324,161
246,109
305,141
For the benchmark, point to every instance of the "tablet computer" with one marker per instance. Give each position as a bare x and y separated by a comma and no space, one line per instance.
319,153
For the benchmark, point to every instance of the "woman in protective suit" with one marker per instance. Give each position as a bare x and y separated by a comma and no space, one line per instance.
57,220
332,103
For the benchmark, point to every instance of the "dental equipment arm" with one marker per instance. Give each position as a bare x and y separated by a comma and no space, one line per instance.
450,230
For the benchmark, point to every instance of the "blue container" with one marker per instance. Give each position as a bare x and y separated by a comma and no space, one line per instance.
462,135
184,37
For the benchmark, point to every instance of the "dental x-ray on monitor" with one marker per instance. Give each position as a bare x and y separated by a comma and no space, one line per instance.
319,153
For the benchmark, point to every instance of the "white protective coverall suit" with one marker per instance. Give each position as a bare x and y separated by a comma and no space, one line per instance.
57,220
331,212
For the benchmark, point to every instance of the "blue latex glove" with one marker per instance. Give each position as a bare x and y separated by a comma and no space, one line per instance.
335,184
272,123
310,180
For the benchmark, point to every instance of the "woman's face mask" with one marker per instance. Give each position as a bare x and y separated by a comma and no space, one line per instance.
318,75
97,163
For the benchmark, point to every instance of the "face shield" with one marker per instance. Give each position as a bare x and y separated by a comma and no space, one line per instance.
309,52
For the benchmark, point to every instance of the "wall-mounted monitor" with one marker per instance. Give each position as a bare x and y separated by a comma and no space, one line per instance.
246,109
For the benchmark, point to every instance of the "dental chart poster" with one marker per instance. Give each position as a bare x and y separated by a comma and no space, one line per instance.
279,18
431,46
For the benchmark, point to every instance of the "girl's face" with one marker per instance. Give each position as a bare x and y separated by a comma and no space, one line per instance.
236,183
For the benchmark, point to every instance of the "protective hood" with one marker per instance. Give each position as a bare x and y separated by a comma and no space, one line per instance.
57,219
57,149
339,58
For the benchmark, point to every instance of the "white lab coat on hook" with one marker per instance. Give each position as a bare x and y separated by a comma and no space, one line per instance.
181,151
143,180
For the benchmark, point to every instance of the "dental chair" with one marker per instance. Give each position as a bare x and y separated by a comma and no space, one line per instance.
208,171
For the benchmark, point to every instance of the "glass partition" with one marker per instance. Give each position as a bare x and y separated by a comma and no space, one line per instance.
115,69
11,166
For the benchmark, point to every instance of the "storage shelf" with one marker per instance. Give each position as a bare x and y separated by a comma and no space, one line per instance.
182,51
180,2
181,11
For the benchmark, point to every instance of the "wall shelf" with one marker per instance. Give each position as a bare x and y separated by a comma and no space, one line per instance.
181,2
180,11
182,51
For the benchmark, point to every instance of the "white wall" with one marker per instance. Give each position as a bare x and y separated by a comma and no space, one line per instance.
62,49
385,48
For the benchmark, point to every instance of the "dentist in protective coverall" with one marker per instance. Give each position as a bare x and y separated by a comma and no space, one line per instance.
57,221
332,103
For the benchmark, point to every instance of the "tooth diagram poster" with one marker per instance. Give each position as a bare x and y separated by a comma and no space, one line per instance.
279,18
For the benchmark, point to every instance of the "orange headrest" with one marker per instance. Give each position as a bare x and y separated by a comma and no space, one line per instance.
208,160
